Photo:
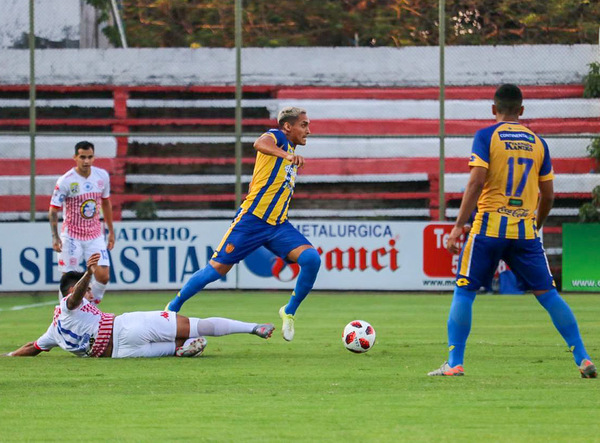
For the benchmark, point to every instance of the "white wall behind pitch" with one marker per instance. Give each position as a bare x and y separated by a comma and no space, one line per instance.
385,67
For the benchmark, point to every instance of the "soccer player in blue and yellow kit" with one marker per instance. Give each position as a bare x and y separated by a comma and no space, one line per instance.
510,165
262,218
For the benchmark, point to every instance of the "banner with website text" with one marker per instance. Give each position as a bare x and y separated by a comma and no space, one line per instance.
581,255
159,255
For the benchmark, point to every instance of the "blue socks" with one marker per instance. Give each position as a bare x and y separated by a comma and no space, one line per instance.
565,323
310,262
459,324
196,283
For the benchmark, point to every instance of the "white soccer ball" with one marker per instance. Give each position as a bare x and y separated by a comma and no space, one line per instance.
358,336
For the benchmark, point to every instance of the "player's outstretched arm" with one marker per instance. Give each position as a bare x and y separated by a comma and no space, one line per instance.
81,287
28,350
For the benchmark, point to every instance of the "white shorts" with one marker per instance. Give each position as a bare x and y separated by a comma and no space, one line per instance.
144,334
75,251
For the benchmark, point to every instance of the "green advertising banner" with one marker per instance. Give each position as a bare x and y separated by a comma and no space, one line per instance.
581,257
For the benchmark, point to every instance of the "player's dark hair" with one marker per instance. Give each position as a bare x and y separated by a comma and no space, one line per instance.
68,280
83,145
508,99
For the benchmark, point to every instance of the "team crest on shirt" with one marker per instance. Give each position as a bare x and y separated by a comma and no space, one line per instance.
290,177
229,248
74,188
88,208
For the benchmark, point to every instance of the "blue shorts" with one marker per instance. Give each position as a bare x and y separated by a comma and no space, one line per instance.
526,258
248,232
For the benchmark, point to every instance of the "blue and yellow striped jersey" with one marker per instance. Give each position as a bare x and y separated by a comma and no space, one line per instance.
516,160
272,184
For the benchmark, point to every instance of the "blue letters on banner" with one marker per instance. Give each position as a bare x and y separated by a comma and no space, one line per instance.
30,266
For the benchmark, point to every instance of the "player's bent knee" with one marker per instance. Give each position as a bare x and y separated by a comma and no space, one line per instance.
310,260
221,268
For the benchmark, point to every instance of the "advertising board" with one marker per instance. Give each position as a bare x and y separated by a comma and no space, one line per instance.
162,255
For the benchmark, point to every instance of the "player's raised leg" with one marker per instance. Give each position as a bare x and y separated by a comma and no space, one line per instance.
198,281
245,234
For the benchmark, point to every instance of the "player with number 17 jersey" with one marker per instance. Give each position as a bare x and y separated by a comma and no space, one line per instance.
511,185
517,159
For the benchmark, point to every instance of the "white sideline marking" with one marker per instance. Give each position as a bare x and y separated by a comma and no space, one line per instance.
33,305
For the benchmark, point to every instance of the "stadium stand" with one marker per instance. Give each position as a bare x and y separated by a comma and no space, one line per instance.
373,153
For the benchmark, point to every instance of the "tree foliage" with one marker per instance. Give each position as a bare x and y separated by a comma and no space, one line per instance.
210,23
592,84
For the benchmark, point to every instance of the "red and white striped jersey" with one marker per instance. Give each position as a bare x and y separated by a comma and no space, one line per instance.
81,200
84,331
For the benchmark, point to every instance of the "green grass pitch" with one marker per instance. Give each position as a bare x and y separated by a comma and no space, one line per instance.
521,383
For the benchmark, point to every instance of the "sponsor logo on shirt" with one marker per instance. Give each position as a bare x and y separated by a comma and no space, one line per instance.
74,188
518,146
519,213
462,281
87,187
229,248
516,136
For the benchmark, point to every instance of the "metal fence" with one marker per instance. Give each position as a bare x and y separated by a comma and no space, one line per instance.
391,126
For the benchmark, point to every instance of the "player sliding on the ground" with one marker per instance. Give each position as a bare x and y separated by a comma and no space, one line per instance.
510,166
262,218
81,328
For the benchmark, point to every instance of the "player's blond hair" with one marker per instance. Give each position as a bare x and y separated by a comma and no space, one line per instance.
289,114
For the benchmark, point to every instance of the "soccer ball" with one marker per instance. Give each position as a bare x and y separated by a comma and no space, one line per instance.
358,336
